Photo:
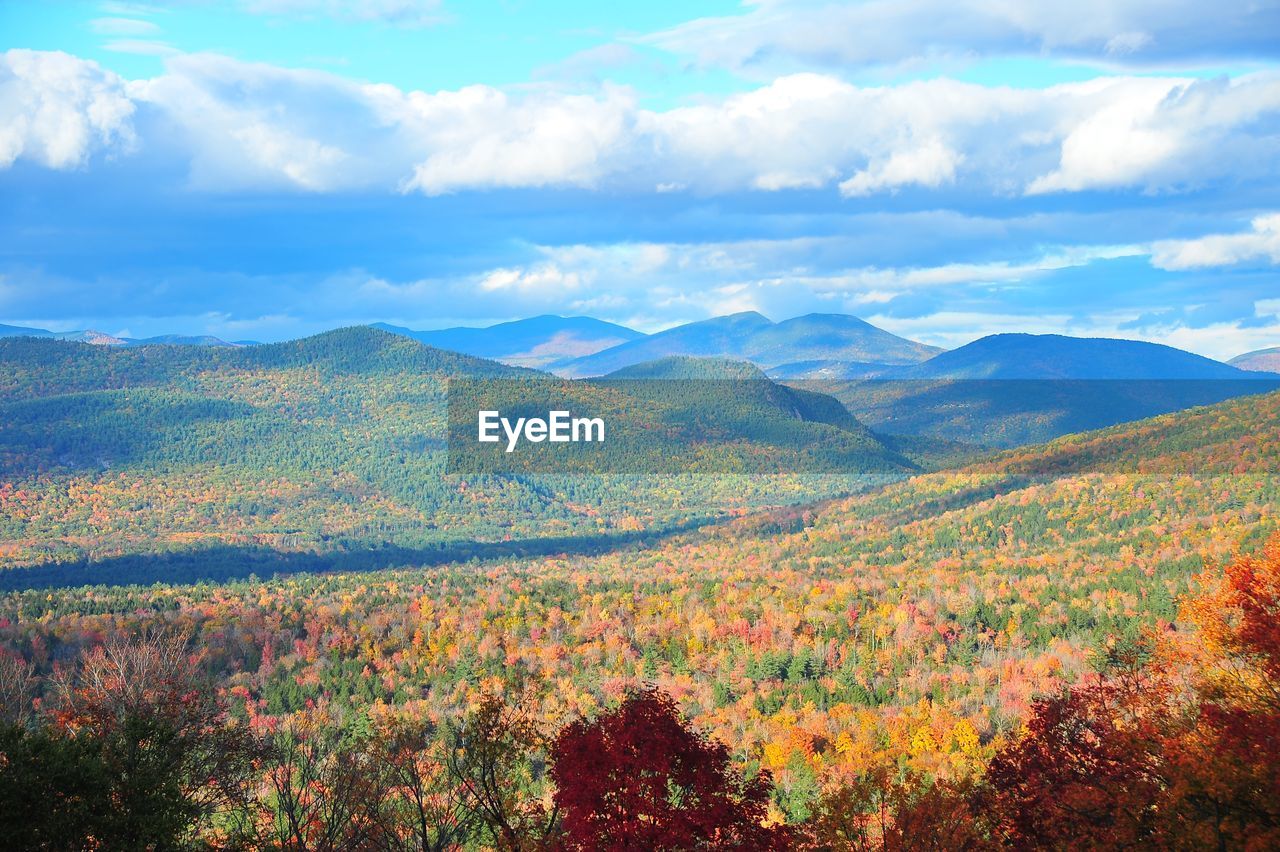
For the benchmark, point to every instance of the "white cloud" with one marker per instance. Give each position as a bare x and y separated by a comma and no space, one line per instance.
123,26
56,109
249,126
544,279
931,164
1158,133
790,34
697,280
480,137
246,125
1262,242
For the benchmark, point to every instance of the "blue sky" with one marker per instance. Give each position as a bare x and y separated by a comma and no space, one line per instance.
269,168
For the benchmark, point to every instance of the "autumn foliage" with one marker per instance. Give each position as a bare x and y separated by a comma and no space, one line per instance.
1177,750
638,777
1168,743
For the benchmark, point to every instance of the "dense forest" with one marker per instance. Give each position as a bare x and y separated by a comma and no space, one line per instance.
824,675
1168,742
336,445
916,627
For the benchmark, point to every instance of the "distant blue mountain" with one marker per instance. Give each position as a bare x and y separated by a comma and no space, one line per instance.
1265,360
101,338
23,331
534,342
1012,389
1055,356
179,340
752,337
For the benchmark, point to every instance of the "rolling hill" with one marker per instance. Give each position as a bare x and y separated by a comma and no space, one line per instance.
103,339
534,342
1015,389
909,627
752,337
337,443
1266,360
1056,356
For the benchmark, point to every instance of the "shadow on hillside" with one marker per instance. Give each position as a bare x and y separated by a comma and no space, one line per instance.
225,563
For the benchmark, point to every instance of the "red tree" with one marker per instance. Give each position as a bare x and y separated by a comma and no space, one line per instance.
1082,775
638,778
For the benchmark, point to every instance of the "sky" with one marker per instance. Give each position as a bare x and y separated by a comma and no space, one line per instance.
945,169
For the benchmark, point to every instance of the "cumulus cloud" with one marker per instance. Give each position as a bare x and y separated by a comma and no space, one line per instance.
1262,242
481,137
789,34
246,125
1163,133
251,126
57,110
931,164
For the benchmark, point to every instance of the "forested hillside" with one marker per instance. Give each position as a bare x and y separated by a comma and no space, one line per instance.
1008,390
912,627
336,444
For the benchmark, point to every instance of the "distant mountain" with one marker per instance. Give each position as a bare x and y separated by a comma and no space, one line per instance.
688,367
752,337
100,338
179,340
707,388
341,443
23,331
825,370
1013,389
534,342
1055,356
1265,360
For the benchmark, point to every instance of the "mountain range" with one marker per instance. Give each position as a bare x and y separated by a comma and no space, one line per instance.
534,342
1012,389
999,391
338,443
101,338
752,337
1055,356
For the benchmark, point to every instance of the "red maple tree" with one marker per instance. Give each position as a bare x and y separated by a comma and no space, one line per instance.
638,777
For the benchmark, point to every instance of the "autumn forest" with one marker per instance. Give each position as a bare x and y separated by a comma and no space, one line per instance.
248,607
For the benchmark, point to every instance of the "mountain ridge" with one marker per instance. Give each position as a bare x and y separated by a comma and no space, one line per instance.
750,336
531,342
1263,360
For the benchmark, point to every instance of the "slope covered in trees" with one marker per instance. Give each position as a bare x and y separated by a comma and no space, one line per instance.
336,444
913,628
1013,389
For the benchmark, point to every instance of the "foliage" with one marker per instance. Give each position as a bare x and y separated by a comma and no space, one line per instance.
637,777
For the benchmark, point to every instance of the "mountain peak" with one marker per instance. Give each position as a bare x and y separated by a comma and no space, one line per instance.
1263,360
750,336
1019,355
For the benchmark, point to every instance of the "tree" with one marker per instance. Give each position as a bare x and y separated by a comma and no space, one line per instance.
638,777
17,689
55,791
883,810
324,793
175,765
496,760
1086,771
1224,780
427,810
